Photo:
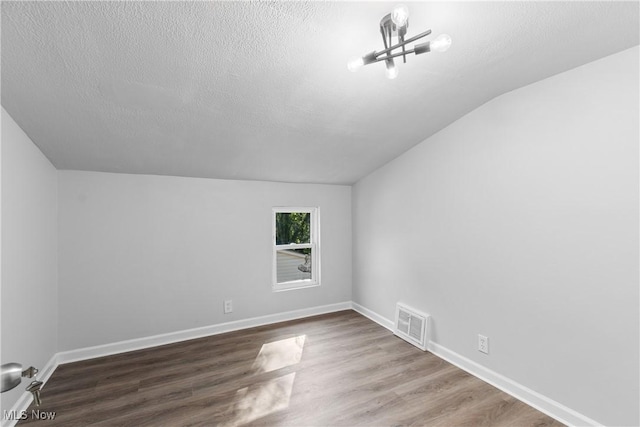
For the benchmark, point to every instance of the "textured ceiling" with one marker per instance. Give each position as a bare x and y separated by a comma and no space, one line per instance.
260,90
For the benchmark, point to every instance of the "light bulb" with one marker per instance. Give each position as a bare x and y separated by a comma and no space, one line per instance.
441,43
392,71
400,15
354,64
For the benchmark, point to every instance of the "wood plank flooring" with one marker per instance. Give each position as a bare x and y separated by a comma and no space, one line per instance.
339,369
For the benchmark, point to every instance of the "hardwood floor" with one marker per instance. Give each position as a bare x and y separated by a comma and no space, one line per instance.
339,369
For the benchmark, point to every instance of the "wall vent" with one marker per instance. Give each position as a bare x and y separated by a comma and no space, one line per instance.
411,326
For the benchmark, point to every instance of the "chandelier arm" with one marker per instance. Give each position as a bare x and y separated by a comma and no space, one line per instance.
384,37
395,55
407,41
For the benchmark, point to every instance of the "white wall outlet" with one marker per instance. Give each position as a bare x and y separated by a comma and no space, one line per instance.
483,344
228,306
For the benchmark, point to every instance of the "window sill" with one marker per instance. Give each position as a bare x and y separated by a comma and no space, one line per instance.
291,286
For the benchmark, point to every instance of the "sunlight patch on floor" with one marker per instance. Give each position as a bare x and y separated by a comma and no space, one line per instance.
262,399
279,354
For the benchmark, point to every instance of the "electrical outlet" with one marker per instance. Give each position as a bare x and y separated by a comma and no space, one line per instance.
228,306
483,344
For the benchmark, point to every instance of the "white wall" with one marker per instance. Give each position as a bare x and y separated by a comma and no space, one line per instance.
520,222
142,255
29,255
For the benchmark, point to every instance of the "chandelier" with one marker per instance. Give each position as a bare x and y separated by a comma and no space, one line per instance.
393,27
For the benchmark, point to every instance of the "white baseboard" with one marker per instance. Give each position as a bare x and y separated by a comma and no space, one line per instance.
532,398
26,398
382,321
520,392
172,337
137,344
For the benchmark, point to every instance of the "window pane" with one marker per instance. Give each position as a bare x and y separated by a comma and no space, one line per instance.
293,227
293,264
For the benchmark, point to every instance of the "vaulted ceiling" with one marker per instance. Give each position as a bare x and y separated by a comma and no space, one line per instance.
260,90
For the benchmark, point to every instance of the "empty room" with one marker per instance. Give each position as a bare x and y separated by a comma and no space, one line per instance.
320,213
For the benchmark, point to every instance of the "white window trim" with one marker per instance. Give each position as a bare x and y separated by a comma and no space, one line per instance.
314,245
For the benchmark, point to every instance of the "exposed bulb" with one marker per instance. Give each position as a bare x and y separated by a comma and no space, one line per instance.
441,43
355,63
400,15
392,70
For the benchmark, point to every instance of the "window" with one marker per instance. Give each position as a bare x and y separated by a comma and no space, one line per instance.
296,248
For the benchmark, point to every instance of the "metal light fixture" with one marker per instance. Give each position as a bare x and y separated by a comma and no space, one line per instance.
394,25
